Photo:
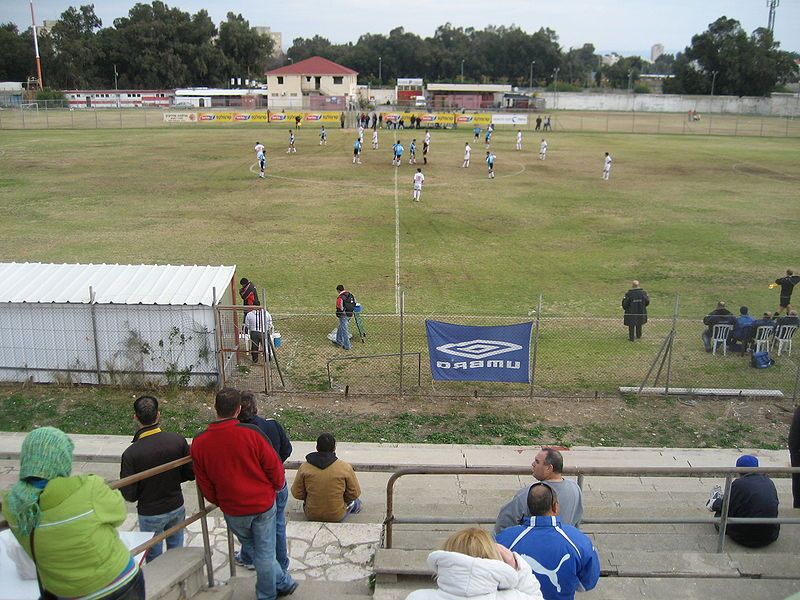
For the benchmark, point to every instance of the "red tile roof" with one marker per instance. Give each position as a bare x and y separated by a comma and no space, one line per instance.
316,65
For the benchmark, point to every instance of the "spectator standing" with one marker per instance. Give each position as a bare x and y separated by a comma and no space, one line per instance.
248,292
635,303
345,304
159,498
472,565
327,485
68,524
258,322
562,558
753,495
238,470
547,466
538,122
794,455
280,443
787,287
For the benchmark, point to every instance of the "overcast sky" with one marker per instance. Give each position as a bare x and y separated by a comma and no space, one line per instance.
624,26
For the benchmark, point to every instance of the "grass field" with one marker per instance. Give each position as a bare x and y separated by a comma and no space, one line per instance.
708,217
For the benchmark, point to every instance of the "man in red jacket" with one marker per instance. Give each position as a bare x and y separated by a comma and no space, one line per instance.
238,470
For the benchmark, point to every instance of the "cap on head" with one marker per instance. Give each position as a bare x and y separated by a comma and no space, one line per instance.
747,460
326,443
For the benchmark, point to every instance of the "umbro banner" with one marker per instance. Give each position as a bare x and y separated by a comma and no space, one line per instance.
468,353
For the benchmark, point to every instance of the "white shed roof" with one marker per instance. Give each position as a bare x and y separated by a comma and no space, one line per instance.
174,285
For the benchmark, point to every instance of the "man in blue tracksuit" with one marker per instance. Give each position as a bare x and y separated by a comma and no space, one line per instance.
562,558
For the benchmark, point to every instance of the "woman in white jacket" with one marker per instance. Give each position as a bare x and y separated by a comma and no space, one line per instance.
473,566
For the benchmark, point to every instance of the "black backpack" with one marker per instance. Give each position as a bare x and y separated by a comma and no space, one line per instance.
348,303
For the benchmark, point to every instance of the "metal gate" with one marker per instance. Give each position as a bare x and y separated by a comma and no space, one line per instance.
239,366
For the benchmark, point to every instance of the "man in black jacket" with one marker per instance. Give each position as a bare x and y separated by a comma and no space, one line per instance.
718,316
787,287
753,495
635,304
160,499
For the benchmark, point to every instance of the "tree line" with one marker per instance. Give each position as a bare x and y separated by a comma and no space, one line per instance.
156,46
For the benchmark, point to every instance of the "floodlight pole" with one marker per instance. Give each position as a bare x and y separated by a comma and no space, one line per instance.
380,71
116,87
555,86
462,70
533,62
36,49
630,75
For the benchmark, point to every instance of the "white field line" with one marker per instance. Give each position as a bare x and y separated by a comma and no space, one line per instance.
396,245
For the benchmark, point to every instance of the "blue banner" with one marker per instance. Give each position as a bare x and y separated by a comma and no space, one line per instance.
468,353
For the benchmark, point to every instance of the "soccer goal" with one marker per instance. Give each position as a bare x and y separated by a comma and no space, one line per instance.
30,106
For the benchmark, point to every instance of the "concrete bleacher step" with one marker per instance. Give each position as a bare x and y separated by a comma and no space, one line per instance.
243,588
178,575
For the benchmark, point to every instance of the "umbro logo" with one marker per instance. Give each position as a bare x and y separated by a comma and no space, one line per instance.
478,349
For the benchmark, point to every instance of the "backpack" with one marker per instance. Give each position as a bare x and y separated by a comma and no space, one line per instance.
348,302
761,360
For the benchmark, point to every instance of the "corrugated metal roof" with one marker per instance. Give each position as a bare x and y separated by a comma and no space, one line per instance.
173,285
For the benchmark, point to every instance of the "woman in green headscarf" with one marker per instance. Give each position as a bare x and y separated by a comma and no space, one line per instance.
72,522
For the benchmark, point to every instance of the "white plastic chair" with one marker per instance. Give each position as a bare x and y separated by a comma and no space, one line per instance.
719,337
762,338
784,336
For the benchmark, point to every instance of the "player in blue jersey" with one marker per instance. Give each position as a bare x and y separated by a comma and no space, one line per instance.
291,142
398,153
412,152
323,136
477,132
490,163
357,151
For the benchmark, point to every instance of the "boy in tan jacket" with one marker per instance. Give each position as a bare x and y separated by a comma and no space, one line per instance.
327,486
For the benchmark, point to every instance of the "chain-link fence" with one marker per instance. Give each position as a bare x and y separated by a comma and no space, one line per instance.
130,345
54,115
574,355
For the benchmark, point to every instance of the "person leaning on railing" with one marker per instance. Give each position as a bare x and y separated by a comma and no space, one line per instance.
68,524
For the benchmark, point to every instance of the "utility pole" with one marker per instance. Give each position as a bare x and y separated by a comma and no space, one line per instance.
630,74
533,62
772,5
713,81
116,87
555,86
380,71
36,49
462,70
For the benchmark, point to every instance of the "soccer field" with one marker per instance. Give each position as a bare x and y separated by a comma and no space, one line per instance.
707,217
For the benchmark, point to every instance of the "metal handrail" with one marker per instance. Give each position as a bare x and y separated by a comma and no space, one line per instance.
722,521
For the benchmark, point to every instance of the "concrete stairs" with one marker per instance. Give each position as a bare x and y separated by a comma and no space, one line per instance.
243,588
179,575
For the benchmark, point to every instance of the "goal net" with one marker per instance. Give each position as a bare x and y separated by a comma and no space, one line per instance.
30,107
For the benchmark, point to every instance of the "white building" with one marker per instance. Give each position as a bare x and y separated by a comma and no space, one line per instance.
656,51
111,324
321,81
277,37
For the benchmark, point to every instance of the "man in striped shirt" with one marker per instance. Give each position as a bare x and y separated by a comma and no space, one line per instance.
259,323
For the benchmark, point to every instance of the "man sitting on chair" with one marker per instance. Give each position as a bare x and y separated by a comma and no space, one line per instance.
742,330
791,319
718,316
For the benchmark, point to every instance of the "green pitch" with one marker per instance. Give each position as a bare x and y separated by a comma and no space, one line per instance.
708,217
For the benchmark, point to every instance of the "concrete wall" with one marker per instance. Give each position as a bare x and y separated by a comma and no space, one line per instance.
777,105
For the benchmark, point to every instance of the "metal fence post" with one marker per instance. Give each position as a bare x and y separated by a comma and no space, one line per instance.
672,342
201,503
402,336
218,339
536,344
94,335
723,523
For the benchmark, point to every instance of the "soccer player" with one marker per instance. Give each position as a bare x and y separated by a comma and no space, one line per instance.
323,136
467,152
490,163
398,153
361,133
477,132
519,139
607,167
419,178
260,157
543,149
425,145
357,152
412,152
488,137
291,143
428,137
374,139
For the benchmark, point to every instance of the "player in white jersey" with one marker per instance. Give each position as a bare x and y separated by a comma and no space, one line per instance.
374,139
467,152
361,133
419,178
323,136
607,167
543,149
519,139
291,143
428,137
260,157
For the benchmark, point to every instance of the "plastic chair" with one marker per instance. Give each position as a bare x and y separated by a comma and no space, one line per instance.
784,336
719,337
762,340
